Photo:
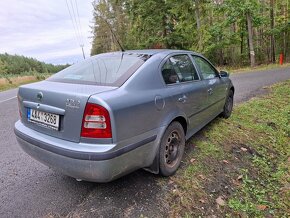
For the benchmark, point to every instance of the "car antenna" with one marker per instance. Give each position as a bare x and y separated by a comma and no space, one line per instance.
122,49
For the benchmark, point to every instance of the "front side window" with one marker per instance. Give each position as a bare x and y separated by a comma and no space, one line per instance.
179,68
207,71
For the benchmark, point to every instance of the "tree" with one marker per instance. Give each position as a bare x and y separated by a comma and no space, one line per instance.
232,32
109,16
17,65
3,68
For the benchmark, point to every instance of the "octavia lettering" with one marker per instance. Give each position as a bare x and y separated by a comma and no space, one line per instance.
72,103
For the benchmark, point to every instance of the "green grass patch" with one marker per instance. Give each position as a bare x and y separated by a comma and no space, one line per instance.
239,167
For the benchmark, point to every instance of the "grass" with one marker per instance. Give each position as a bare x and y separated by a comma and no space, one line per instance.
238,167
13,81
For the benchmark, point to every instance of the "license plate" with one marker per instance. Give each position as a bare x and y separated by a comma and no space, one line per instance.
45,119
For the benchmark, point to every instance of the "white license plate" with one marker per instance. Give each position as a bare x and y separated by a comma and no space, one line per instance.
43,118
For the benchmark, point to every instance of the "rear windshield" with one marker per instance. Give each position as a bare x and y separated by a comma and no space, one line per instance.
106,69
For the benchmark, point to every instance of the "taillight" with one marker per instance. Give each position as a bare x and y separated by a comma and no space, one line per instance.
96,122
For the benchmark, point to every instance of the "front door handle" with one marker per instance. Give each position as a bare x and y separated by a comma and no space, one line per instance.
182,99
210,91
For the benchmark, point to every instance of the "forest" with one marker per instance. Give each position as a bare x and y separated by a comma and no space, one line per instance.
229,32
16,65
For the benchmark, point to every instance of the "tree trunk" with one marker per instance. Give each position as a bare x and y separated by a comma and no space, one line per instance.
250,34
272,35
197,14
285,44
197,17
242,43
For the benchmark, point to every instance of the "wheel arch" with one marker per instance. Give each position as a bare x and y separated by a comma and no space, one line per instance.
182,121
232,89
154,167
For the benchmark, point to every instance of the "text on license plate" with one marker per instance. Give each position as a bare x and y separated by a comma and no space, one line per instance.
44,118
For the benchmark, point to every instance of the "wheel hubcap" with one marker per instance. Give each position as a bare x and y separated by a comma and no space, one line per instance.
171,148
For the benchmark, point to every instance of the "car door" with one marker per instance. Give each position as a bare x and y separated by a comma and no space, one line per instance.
216,87
190,91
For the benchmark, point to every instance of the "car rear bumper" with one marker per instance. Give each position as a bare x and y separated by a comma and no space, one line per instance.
90,162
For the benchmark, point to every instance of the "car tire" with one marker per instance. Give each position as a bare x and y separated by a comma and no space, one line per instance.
228,107
171,149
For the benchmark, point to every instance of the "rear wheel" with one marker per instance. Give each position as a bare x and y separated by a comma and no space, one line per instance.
228,107
171,149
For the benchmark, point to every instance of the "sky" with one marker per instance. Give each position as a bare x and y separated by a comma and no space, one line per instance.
43,29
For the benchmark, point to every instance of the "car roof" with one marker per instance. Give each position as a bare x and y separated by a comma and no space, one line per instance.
149,52
156,51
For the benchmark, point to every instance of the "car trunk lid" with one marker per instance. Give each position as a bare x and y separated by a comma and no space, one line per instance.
66,100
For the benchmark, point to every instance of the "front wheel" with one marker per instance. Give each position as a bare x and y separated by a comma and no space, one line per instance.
171,149
228,107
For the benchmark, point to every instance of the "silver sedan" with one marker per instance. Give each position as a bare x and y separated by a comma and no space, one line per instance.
118,112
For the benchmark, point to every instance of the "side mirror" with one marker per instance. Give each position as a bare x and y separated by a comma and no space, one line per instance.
224,74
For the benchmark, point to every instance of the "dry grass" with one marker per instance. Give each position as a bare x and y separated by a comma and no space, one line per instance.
13,82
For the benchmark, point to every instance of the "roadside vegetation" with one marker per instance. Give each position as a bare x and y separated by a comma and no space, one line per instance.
234,70
16,70
238,167
231,33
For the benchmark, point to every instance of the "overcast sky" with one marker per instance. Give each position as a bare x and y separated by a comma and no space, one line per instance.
42,29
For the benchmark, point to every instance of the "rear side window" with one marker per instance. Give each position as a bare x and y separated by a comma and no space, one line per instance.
179,68
169,74
106,69
207,71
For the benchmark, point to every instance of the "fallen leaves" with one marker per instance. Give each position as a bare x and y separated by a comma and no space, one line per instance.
261,207
192,160
225,161
202,201
240,177
201,176
244,149
220,201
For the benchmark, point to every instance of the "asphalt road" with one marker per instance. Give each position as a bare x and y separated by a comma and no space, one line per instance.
30,189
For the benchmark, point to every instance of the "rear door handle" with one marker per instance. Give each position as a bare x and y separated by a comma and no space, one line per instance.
182,99
210,91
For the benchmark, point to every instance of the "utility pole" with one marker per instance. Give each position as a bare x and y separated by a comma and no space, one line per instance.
82,46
